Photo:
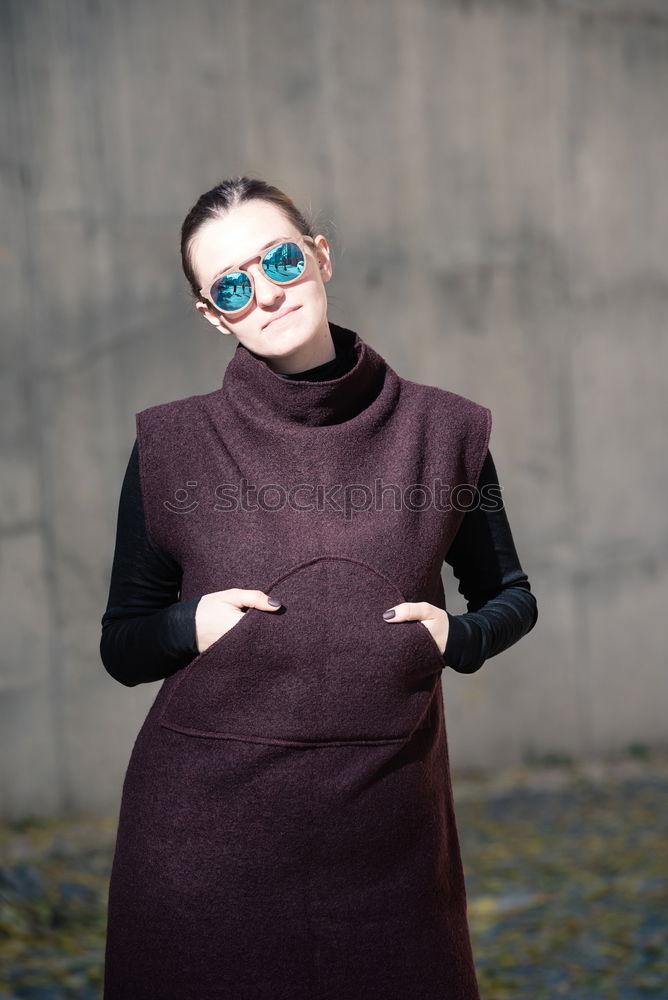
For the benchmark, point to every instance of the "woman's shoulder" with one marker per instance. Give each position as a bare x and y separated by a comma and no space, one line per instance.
445,401
172,407
159,426
457,422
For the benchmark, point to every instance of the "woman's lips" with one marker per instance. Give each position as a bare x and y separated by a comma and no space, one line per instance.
277,319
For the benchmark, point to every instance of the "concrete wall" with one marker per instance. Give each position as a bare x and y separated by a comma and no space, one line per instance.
510,157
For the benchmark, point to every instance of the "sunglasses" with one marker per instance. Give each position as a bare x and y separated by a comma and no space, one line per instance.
284,262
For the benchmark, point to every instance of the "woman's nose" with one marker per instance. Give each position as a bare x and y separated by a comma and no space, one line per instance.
266,292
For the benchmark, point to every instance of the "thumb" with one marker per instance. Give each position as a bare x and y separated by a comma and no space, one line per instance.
398,613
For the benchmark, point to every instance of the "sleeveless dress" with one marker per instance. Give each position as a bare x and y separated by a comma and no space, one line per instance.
287,829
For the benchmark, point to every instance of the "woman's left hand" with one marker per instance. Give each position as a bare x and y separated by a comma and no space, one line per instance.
433,618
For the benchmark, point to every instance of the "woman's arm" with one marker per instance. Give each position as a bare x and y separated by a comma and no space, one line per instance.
501,606
147,633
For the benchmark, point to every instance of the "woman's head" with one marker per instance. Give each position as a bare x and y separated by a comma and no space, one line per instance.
228,227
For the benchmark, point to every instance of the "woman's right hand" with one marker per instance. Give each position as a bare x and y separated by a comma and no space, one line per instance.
217,612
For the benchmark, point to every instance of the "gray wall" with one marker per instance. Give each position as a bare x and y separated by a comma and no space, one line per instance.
510,157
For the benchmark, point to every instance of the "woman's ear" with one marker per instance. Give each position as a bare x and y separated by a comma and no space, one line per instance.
214,318
324,257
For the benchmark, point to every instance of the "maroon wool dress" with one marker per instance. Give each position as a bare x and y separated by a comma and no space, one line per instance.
287,829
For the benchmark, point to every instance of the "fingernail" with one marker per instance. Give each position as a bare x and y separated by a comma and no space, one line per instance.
389,614
274,603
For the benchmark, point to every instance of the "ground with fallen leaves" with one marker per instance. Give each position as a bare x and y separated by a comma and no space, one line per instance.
566,866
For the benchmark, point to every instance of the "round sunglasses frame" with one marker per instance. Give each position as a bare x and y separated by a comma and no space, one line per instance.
300,241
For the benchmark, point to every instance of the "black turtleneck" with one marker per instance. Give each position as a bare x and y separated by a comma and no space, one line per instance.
338,365
148,634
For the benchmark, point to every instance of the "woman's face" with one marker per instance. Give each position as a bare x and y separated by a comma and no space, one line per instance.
235,238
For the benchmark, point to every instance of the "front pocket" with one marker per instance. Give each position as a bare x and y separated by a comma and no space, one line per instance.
324,669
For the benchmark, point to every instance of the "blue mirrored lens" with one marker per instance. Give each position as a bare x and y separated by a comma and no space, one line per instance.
284,262
232,291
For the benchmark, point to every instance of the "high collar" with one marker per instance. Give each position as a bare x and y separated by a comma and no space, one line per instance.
338,365
258,394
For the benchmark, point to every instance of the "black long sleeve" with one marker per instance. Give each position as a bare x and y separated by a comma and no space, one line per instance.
501,607
148,634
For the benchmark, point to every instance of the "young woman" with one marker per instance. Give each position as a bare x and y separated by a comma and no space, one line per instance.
286,827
